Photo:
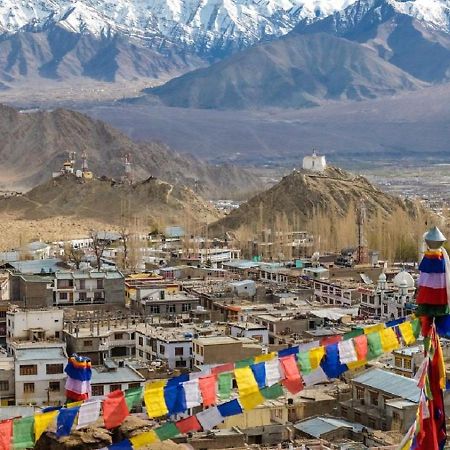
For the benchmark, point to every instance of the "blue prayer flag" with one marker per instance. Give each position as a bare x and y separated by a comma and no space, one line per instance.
123,445
175,399
232,408
330,362
259,371
288,351
66,418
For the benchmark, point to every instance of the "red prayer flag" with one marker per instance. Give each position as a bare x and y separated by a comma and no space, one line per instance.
6,428
293,381
330,340
115,409
223,368
207,387
189,424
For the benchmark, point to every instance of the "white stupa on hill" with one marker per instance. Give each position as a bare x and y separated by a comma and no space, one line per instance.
315,162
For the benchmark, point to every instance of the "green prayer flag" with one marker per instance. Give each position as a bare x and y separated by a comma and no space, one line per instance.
352,334
374,343
244,363
272,392
416,327
133,397
23,433
225,385
167,431
304,362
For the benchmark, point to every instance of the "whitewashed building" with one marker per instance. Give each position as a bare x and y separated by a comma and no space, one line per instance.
315,162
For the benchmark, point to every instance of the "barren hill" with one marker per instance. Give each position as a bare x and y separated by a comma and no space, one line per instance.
35,144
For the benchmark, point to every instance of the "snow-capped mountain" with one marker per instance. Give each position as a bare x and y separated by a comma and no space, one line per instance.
207,26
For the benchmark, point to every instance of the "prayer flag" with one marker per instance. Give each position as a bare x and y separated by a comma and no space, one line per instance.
246,381
6,429
232,408
273,373
251,401
122,445
416,327
175,399
192,393
406,330
222,368
189,424
331,364
361,347
154,399
23,432
315,377
167,431
89,412
244,363
315,356
356,365
347,352
42,422
288,351
143,439
374,344
64,423
209,418
354,333
293,381
374,328
208,389
259,371
389,340
133,397
265,357
178,380
328,340
225,384
272,392
115,409
304,362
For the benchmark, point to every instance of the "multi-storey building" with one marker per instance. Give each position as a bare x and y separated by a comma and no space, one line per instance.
335,293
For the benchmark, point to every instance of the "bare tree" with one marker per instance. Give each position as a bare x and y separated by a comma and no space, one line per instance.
98,246
73,255
125,238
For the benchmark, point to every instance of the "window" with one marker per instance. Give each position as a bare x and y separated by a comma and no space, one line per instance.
179,351
87,343
180,363
149,356
185,307
82,296
63,296
30,369
141,353
115,387
65,284
57,334
171,308
52,369
82,284
398,361
359,392
141,341
28,388
133,336
99,284
118,336
373,398
134,385
154,309
162,349
4,385
148,342
54,386
407,364
98,390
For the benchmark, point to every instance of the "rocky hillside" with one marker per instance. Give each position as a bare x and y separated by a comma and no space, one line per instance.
302,194
155,202
35,144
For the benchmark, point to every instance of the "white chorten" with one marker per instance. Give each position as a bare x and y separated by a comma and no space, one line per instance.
315,162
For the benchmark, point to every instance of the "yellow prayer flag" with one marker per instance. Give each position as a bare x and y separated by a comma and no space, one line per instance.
263,358
154,399
315,356
42,422
407,332
407,445
143,439
389,340
441,365
74,404
251,401
356,364
246,381
374,328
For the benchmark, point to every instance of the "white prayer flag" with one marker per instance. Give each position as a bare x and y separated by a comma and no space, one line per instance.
308,346
273,372
347,352
89,413
209,418
192,393
315,377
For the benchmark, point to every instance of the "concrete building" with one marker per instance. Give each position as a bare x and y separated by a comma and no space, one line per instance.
244,288
335,293
213,350
39,373
7,380
250,330
171,345
382,400
114,376
81,288
30,291
407,360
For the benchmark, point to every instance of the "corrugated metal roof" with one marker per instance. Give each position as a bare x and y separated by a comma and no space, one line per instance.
391,383
119,375
38,266
318,426
29,354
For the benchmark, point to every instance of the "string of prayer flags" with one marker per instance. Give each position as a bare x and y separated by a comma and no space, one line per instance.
89,412
155,403
144,439
192,393
273,373
42,422
374,344
208,389
209,418
331,364
225,383
389,340
315,356
189,424
293,381
23,433
407,333
167,431
115,409
133,397
232,408
175,398
6,430
259,372
347,352
65,421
